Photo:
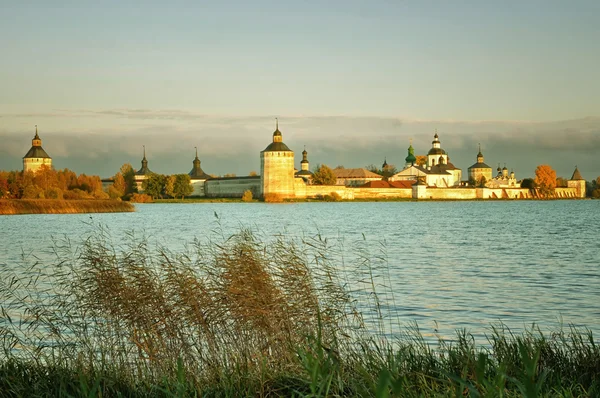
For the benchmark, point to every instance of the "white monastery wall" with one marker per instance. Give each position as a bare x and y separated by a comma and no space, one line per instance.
233,187
198,186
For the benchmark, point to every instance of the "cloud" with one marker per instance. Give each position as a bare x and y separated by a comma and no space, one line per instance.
99,141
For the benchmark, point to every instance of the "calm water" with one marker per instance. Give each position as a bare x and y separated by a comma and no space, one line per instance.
451,264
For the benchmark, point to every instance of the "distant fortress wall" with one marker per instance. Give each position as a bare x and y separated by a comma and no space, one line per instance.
198,186
449,193
381,193
504,193
232,187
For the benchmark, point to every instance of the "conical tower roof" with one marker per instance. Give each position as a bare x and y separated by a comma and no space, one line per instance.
577,175
36,150
197,173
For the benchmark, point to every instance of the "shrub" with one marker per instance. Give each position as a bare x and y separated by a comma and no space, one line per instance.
141,198
54,193
77,194
247,196
272,198
332,197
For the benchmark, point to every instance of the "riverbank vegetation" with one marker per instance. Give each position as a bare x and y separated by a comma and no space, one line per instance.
242,316
47,183
44,206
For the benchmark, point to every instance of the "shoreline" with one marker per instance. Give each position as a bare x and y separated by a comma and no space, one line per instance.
60,206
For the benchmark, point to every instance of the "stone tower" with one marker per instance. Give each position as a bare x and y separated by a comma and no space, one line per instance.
480,169
277,168
36,157
577,182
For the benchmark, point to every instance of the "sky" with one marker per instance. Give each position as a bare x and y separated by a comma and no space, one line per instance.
353,81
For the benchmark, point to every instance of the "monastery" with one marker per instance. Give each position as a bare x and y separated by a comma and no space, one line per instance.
437,179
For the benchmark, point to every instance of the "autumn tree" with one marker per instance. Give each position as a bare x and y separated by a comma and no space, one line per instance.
545,180
129,176
253,174
323,175
421,160
561,182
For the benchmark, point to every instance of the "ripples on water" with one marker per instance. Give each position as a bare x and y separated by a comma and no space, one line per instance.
451,264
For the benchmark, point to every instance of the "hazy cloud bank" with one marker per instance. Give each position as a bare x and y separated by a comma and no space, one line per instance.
99,141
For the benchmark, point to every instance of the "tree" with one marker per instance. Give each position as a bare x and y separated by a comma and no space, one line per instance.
253,174
323,175
421,160
183,186
154,185
247,196
372,168
118,186
528,183
545,180
593,188
170,186
561,182
480,183
129,176
388,171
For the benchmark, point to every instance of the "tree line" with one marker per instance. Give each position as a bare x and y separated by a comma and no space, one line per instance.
47,183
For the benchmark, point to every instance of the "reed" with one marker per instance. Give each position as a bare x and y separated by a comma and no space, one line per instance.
243,316
57,206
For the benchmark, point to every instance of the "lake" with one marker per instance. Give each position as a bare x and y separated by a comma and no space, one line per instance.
450,265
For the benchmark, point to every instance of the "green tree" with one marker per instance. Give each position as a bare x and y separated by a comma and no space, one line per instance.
528,183
154,185
183,186
170,186
373,169
388,171
323,175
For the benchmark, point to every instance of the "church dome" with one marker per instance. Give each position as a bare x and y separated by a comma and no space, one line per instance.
436,151
277,145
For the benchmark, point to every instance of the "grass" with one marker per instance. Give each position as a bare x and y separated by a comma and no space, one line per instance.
242,316
56,206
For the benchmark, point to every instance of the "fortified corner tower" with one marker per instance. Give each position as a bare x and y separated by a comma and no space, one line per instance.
277,168
36,157
577,182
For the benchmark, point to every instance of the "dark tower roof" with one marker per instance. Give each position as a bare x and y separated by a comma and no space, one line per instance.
144,170
277,145
197,173
304,156
577,175
36,150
